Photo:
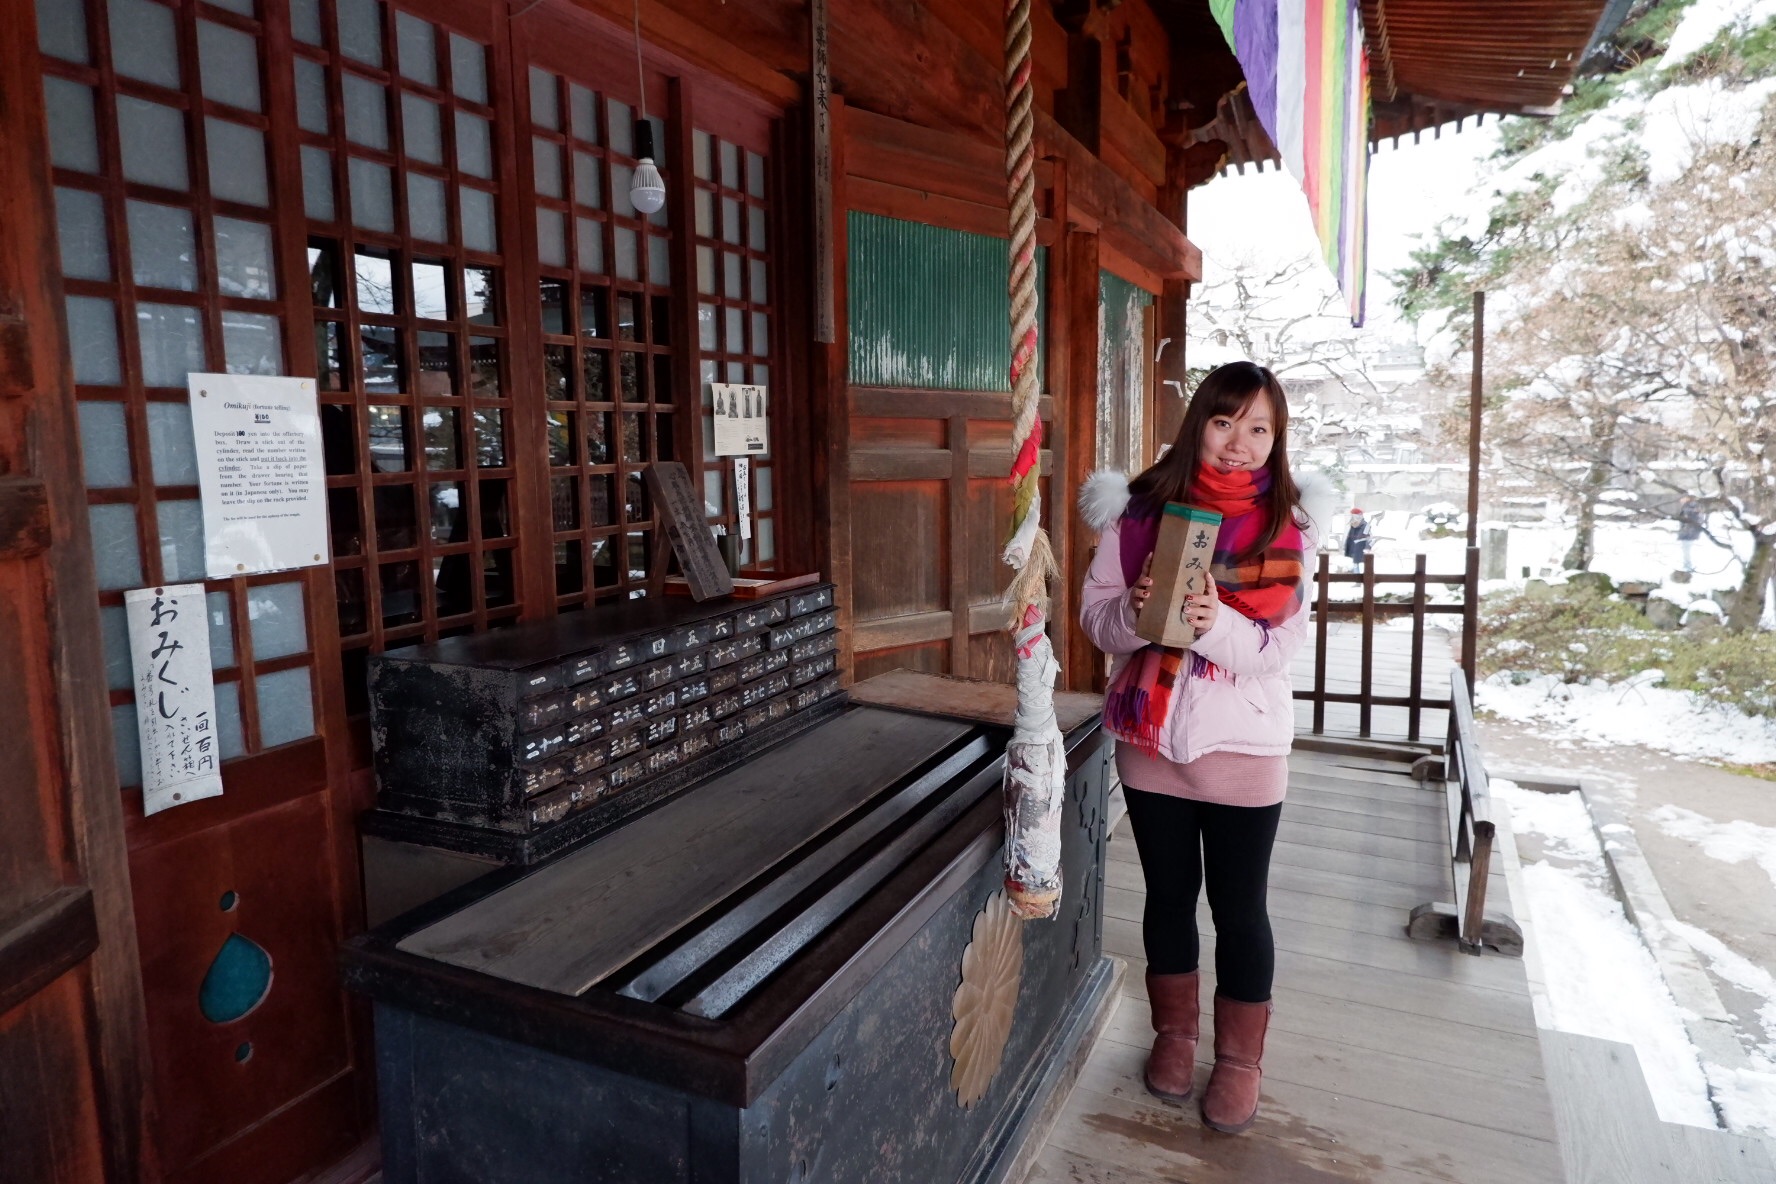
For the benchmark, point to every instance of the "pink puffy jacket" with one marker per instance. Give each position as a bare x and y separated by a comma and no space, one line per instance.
1250,706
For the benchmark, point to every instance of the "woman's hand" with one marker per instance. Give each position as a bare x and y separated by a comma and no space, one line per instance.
1142,589
1201,610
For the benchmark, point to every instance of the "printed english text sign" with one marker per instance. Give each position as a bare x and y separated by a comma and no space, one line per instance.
741,424
259,466
169,641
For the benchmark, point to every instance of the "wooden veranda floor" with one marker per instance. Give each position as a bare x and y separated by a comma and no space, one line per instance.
1391,674
1388,1059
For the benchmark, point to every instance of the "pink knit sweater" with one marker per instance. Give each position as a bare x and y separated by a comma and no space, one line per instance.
1224,778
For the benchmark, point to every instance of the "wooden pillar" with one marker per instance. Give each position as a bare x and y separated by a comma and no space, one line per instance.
1077,416
830,408
1171,318
72,1059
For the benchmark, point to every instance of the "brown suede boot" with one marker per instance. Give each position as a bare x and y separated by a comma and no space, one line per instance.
1230,1103
1171,1066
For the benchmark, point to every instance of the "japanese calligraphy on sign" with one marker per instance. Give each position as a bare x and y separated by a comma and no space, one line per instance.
742,426
259,466
169,641
687,526
743,495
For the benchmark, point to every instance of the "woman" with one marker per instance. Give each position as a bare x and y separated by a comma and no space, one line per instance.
1203,734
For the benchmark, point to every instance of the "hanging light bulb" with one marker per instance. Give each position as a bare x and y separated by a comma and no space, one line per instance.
647,191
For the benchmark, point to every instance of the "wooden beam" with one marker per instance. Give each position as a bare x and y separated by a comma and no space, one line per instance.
900,464
1135,272
960,544
54,935
996,462
1081,665
1139,144
704,34
991,617
1130,224
883,148
889,633
932,209
882,402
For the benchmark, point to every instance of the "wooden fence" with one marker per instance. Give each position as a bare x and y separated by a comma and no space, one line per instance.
1471,834
1368,610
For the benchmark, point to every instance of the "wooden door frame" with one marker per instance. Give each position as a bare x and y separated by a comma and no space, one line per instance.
45,541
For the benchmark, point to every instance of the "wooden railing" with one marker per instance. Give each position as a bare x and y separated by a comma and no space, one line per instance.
1471,834
1368,609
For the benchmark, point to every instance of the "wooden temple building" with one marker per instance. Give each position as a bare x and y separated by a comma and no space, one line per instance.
424,208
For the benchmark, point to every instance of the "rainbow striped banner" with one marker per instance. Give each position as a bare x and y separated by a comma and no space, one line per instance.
1308,75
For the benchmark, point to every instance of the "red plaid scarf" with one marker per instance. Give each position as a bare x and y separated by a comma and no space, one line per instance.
1267,588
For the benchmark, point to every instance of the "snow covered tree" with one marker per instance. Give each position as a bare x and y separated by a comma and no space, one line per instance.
1289,316
1632,260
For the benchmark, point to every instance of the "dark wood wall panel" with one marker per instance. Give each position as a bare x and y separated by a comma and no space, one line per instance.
255,880
901,542
990,503
990,656
49,1118
30,859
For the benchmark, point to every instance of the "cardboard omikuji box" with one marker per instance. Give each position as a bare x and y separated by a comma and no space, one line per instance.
1180,568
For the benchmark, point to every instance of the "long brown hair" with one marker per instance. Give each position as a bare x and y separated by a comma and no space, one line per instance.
1227,391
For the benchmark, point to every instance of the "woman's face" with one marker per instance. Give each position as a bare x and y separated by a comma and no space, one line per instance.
1239,441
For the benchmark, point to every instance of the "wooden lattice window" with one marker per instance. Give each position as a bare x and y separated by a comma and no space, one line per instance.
398,148
167,219
605,294
734,326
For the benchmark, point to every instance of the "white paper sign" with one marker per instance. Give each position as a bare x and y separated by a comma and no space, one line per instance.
169,640
741,424
259,466
743,495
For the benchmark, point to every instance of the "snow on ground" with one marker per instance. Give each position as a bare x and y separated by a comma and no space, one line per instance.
1600,979
1704,20
1729,842
1630,712
1747,1094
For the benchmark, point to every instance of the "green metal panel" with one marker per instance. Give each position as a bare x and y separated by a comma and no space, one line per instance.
1122,373
928,306
1122,303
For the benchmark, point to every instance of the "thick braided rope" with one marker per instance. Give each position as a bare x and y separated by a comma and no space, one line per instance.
1028,549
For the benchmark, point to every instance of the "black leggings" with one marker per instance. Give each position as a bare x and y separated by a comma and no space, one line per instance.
1180,840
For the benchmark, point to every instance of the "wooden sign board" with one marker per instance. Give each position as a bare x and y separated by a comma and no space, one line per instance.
1180,568
680,510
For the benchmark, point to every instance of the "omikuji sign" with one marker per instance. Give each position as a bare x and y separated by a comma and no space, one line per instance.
169,640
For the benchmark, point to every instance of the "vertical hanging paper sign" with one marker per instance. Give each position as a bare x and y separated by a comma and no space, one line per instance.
742,426
743,495
169,639
259,467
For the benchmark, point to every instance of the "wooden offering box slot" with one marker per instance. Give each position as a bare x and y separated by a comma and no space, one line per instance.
750,984
1180,568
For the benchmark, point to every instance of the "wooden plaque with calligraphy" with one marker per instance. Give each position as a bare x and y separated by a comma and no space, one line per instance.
677,505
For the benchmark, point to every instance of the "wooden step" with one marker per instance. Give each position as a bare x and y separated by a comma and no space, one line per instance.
1610,1132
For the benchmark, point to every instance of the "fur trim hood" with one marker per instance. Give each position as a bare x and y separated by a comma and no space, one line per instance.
1105,495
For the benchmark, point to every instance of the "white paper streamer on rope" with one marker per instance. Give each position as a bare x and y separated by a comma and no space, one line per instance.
1035,788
